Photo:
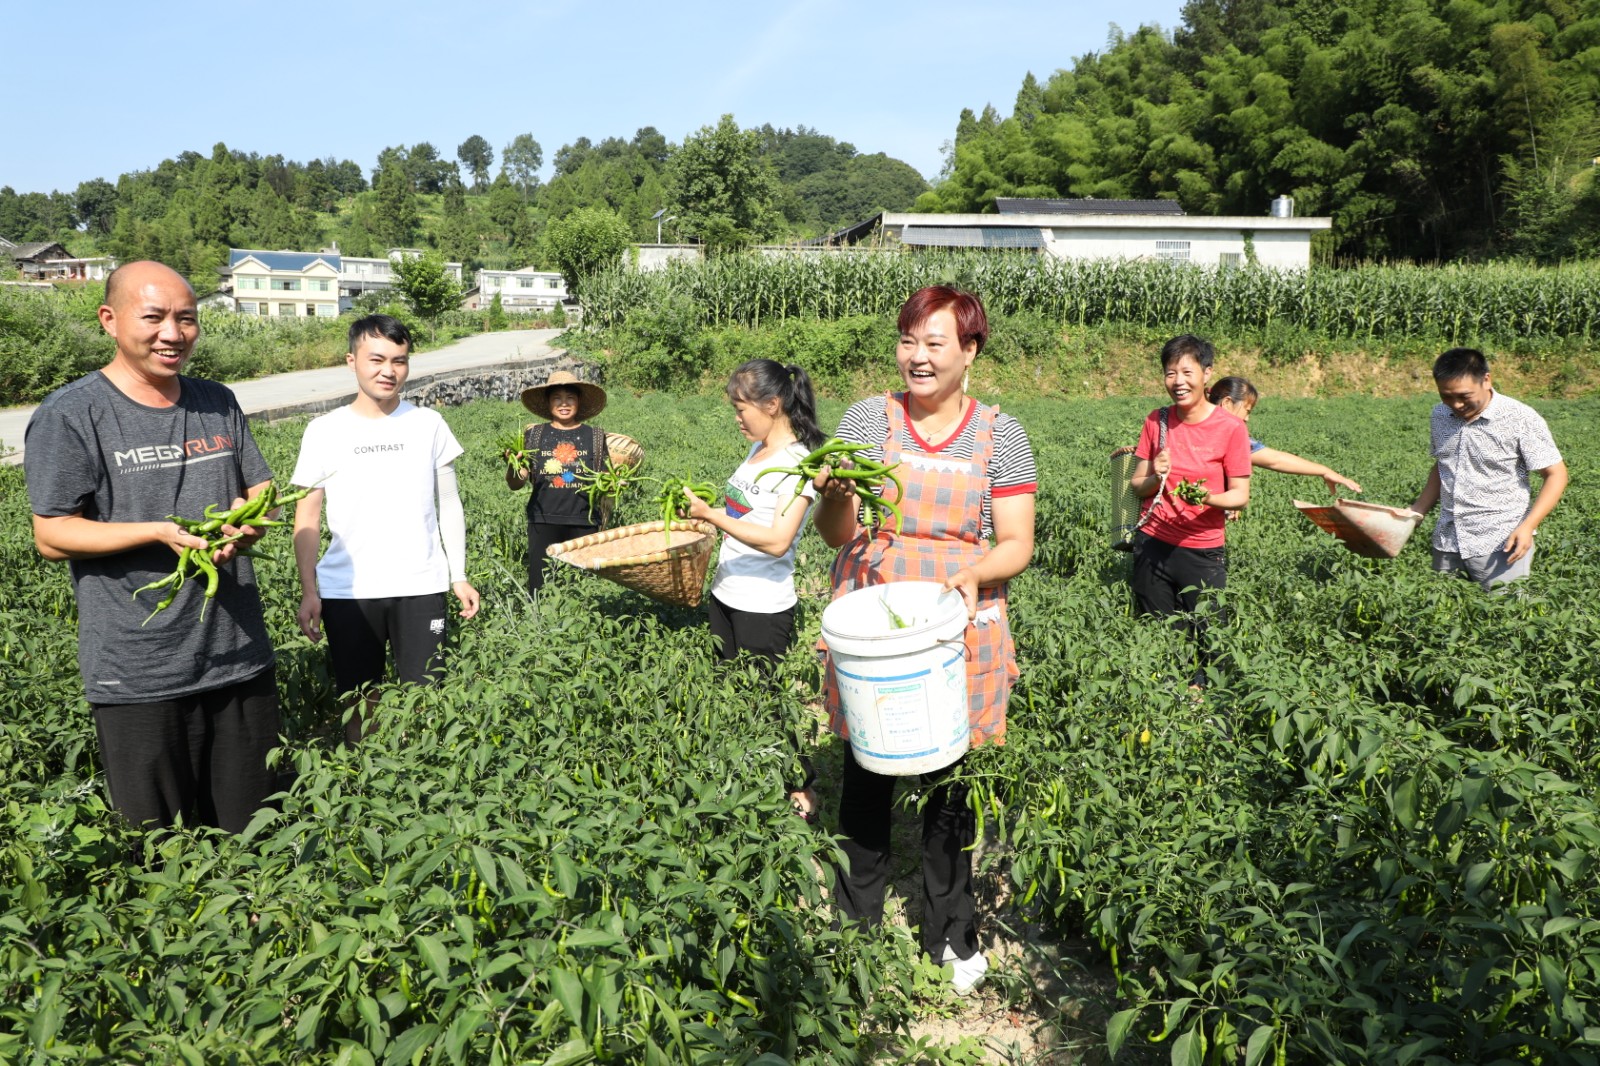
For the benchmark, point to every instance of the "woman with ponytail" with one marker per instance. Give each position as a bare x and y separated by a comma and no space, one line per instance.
752,597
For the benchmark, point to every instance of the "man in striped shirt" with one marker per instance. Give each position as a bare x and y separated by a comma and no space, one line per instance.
1484,444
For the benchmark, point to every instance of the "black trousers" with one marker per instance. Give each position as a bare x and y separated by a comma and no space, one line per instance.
949,828
1168,580
764,636
540,537
202,756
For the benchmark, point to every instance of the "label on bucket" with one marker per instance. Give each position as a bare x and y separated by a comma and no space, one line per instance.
912,715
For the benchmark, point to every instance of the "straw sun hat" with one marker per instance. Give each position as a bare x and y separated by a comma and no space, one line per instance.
591,397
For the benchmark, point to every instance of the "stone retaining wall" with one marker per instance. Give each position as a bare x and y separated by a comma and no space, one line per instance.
494,383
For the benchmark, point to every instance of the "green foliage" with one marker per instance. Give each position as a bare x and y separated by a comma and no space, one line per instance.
1510,305
476,155
520,161
1418,127
585,242
47,339
495,314
427,288
1372,842
722,187
397,215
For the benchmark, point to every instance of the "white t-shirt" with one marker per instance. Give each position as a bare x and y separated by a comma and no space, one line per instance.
378,477
747,579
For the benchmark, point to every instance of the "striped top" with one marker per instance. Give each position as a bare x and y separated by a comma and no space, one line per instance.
1011,469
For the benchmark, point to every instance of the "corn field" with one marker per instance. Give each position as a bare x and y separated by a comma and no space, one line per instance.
1457,304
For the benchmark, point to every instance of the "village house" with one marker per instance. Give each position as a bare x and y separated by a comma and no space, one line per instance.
50,261
285,284
524,291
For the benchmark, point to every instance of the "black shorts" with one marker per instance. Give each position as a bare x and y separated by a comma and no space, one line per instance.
360,632
765,636
202,756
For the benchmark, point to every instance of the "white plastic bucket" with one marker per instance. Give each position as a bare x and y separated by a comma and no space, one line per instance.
903,690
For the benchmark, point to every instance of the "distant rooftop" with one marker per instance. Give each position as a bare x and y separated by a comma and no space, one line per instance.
283,260
1018,205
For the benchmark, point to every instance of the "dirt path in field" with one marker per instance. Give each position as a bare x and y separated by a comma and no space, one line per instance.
1045,1002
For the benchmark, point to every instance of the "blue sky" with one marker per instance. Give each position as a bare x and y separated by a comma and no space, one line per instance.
113,87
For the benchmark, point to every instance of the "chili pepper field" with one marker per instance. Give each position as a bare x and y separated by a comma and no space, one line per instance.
1373,841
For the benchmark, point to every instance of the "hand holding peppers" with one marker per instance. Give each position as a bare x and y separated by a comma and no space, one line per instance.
218,531
847,464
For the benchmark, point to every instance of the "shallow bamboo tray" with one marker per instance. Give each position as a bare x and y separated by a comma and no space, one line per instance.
640,557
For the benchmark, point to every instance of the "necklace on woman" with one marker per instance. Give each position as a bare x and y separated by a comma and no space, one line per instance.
937,437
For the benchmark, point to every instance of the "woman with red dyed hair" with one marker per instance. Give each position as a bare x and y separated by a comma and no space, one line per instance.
970,483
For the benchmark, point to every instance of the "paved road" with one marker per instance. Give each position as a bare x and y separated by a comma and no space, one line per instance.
283,395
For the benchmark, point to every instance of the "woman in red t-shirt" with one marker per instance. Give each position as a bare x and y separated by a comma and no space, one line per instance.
1178,550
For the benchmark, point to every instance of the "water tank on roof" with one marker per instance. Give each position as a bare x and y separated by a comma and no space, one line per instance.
1283,207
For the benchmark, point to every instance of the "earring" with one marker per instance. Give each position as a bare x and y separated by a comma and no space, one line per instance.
966,380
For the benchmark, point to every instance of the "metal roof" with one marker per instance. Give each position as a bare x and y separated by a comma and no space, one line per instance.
1017,205
284,260
973,236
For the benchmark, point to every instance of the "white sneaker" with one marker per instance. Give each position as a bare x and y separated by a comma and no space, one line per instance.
966,974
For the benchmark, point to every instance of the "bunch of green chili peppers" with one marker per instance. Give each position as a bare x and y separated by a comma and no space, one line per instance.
867,477
196,561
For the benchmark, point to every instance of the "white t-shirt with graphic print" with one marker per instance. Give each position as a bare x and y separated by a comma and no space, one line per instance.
748,579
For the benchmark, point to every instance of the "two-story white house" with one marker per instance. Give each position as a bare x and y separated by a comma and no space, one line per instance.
285,284
361,275
522,291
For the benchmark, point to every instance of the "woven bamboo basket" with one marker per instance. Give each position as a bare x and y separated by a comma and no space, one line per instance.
624,449
1125,505
640,557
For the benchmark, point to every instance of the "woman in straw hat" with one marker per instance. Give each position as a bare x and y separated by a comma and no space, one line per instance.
558,451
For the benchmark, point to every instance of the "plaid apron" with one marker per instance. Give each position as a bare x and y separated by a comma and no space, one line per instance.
942,533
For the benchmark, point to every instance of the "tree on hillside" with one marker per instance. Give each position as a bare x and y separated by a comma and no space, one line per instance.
651,145
455,238
587,240
569,157
1427,131
427,171
97,205
426,286
722,188
863,187
520,161
616,174
509,214
397,214
476,155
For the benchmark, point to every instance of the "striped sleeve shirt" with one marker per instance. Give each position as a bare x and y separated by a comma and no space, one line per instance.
1483,473
1011,468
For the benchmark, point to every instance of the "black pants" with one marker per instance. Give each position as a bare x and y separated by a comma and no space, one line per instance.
202,756
540,536
949,828
361,633
766,638
1168,580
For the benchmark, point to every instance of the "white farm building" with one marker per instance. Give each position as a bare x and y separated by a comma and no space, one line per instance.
1110,229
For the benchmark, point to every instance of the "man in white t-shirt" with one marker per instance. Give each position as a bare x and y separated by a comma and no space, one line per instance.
386,469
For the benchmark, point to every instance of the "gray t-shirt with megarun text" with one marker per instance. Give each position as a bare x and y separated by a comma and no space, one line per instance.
91,450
